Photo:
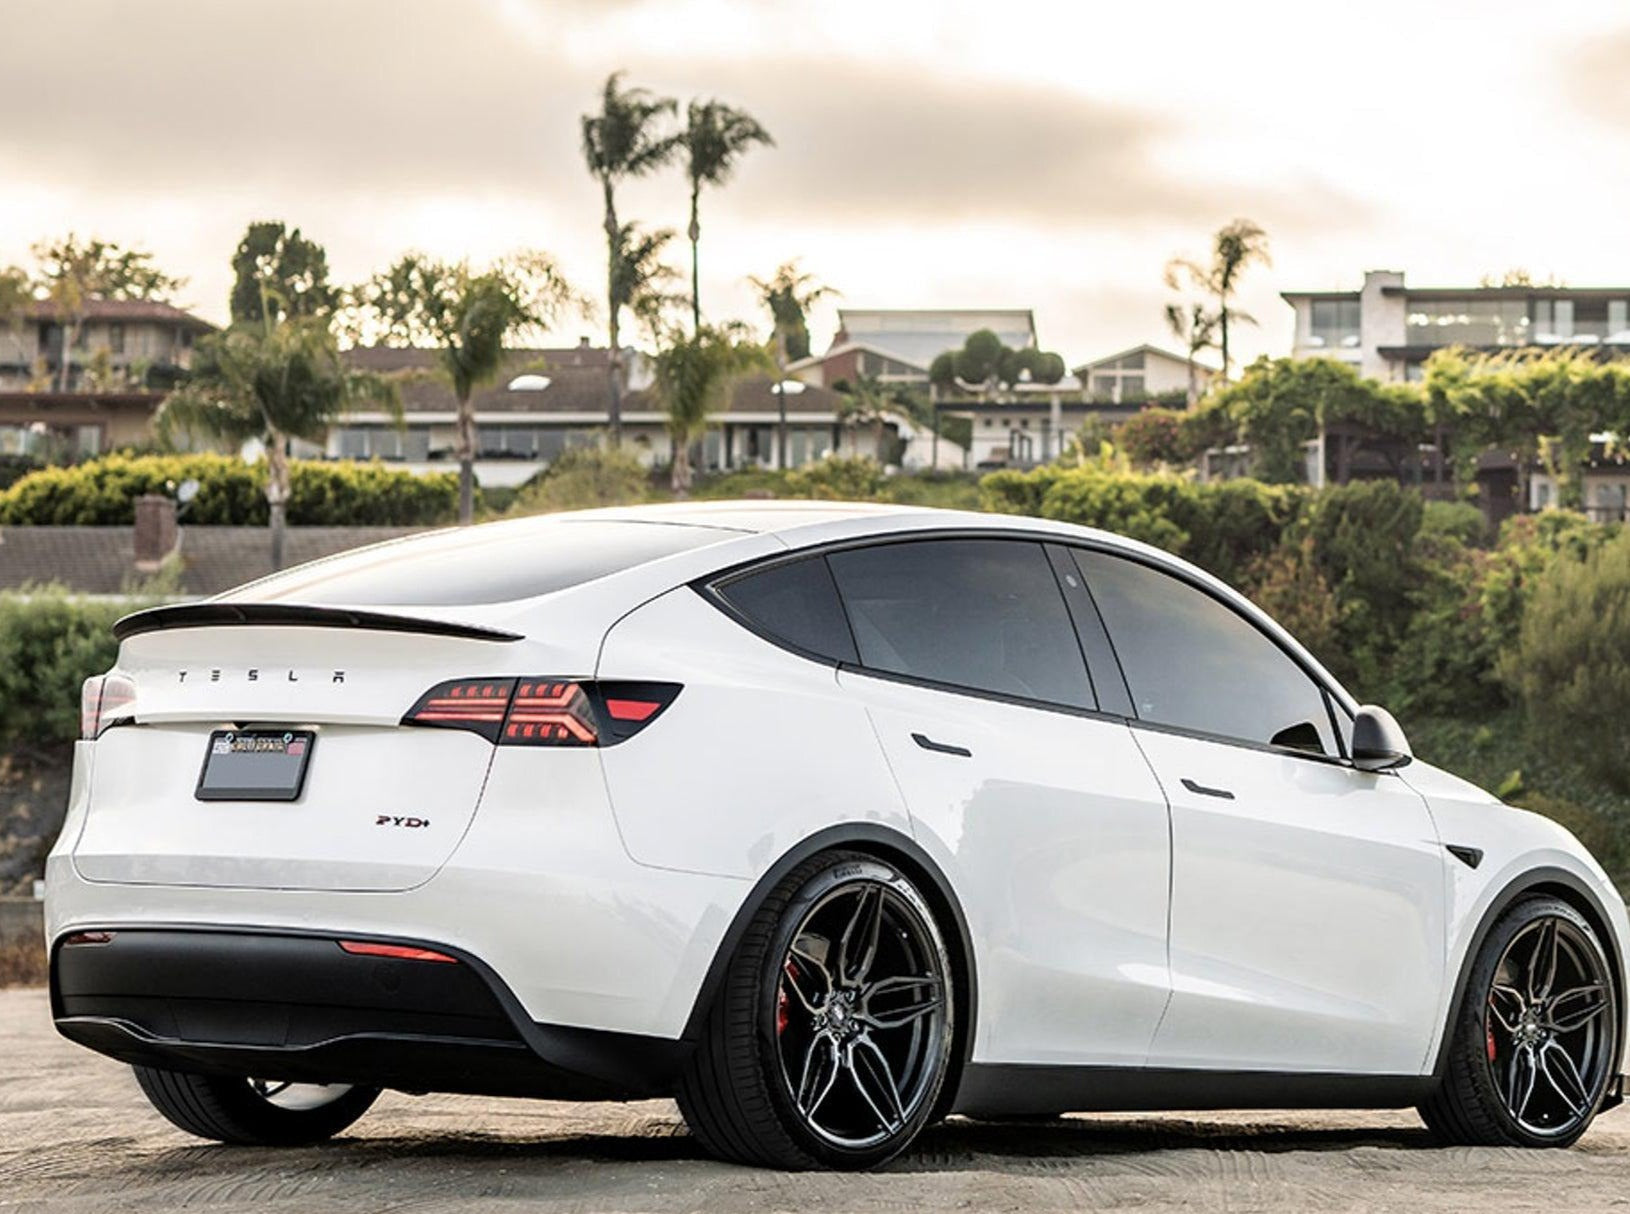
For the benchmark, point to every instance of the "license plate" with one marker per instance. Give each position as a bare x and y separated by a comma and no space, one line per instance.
255,765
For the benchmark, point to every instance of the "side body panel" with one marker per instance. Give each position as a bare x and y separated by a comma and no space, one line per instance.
761,750
1054,832
1308,913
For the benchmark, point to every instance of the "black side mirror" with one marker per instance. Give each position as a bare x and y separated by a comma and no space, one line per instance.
1378,742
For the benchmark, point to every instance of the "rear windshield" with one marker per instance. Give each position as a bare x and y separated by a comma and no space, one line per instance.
491,564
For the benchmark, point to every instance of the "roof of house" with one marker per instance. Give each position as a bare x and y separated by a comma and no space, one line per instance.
127,311
1146,349
102,560
919,335
578,384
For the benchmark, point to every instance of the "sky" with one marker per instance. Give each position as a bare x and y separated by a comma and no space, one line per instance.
929,153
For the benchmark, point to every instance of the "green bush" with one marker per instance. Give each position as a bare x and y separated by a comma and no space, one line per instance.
1460,521
50,643
583,478
837,478
1571,665
103,492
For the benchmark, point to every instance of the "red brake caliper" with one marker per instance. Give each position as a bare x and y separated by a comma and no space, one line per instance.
1490,1032
781,1011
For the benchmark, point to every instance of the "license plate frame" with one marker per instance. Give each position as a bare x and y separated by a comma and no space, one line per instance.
254,744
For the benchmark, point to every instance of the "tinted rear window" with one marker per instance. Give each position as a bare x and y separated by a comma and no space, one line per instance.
796,603
491,564
982,614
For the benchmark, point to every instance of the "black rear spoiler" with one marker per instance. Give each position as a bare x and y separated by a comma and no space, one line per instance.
293,615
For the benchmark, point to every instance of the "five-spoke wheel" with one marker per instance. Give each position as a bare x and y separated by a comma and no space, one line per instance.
831,1040
1535,1039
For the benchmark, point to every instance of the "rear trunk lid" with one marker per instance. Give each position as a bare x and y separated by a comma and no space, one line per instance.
383,805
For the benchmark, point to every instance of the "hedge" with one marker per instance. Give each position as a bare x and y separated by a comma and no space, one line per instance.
230,493
50,643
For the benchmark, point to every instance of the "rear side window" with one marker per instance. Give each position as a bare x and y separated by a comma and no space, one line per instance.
796,603
1196,663
491,564
981,614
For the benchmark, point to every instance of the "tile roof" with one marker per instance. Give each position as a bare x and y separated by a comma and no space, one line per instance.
101,560
127,310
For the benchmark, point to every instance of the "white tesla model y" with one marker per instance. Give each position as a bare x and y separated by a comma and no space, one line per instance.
827,820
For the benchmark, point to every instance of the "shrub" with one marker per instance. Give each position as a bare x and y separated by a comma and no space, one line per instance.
583,478
102,492
1287,584
1460,521
50,643
837,478
14,467
1154,436
1571,665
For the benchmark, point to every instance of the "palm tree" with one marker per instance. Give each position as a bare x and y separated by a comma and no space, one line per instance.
640,278
1234,248
866,402
470,317
695,374
622,141
715,138
788,295
1197,330
270,382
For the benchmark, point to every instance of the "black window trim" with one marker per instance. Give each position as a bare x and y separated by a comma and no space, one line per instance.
708,587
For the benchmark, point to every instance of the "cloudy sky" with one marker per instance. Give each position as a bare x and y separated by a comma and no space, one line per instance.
930,153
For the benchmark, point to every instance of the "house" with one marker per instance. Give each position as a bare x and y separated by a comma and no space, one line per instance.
124,355
546,401
896,345
1388,329
1143,373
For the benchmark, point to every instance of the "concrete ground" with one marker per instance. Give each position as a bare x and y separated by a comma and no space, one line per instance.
77,1136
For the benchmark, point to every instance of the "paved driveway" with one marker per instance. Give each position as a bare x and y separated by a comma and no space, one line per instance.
76,1135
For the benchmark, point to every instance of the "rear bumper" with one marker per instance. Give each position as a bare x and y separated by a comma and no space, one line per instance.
295,1006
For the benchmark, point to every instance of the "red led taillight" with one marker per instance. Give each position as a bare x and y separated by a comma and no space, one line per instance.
543,711
103,701
398,952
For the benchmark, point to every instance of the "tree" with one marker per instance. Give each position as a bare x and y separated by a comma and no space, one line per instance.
640,277
1196,329
695,374
986,366
469,316
270,382
788,295
715,138
277,271
864,401
1235,248
74,273
622,141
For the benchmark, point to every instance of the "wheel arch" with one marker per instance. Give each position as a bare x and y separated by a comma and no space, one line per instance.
900,850
1551,882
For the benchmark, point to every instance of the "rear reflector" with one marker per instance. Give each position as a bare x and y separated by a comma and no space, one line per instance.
536,711
399,952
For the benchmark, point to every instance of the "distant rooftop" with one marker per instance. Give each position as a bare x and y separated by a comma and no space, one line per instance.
919,335
127,311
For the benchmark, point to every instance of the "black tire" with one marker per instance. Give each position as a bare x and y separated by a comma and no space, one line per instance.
1504,1083
792,992
234,1111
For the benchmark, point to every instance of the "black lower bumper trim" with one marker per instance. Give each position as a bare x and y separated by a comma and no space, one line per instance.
280,1005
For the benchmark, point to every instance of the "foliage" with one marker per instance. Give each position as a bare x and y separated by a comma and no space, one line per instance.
468,315
1154,436
715,138
1196,329
693,375
103,492
50,643
279,274
14,467
1234,248
985,364
1571,665
1459,521
1286,582
788,295
582,478
836,478
640,278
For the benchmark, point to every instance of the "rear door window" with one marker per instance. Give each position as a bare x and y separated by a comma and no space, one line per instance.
795,603
986,615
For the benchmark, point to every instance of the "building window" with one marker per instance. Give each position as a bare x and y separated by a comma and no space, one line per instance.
1103,386
116,339
1132,387
1334,324
1472,321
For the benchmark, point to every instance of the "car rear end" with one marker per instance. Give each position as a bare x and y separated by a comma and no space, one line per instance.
351,824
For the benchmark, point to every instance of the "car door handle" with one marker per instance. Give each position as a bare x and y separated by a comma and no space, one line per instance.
941,748
1207,792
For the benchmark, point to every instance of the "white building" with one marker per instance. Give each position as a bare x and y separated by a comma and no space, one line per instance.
1139,374
1387,330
